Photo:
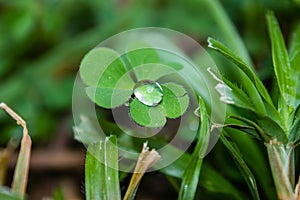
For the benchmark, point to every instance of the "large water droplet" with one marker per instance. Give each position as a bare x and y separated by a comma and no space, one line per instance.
148,92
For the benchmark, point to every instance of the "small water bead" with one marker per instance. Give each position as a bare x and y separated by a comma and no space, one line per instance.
148,92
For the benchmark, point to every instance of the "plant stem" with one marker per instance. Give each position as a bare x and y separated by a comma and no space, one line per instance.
281,158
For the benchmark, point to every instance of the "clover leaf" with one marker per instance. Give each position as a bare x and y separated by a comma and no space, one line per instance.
113,80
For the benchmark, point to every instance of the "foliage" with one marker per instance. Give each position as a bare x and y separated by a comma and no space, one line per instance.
101,170
42,43
273,124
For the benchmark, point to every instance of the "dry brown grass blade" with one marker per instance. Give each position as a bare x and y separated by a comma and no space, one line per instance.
145,161
3,166
5,155
21,172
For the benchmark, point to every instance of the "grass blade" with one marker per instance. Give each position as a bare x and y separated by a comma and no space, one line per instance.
282,66
231,93
192,171
295,60
21,172
5,154
221,48
101,170
245,171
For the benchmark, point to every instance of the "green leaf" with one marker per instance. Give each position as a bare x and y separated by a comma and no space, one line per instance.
282,66
270,127
152,71
142,55
175,100
231,93
7,194
211,179
259,130
294,56
116,76
191,174
104,72
108,97
94,64
295,130
218,46
249,85
101,170
146,115
245,171
244,128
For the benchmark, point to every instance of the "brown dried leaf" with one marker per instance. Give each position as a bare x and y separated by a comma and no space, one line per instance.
21,172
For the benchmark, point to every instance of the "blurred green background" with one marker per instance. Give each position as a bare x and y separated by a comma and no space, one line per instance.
43,41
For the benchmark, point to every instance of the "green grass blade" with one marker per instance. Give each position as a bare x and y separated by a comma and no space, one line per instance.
191,174
281,62
101,170
231,93
221,48
245,171
294,55
211,179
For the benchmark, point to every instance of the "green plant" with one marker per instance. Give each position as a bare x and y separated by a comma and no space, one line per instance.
110,84
273,120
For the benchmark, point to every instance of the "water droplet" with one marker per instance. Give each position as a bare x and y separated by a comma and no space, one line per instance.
148,92
109,77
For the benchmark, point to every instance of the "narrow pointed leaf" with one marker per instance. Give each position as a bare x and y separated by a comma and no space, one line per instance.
101,170
259,130
211,179
221,48
281,62
191,174
230,93
294,56
245,171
